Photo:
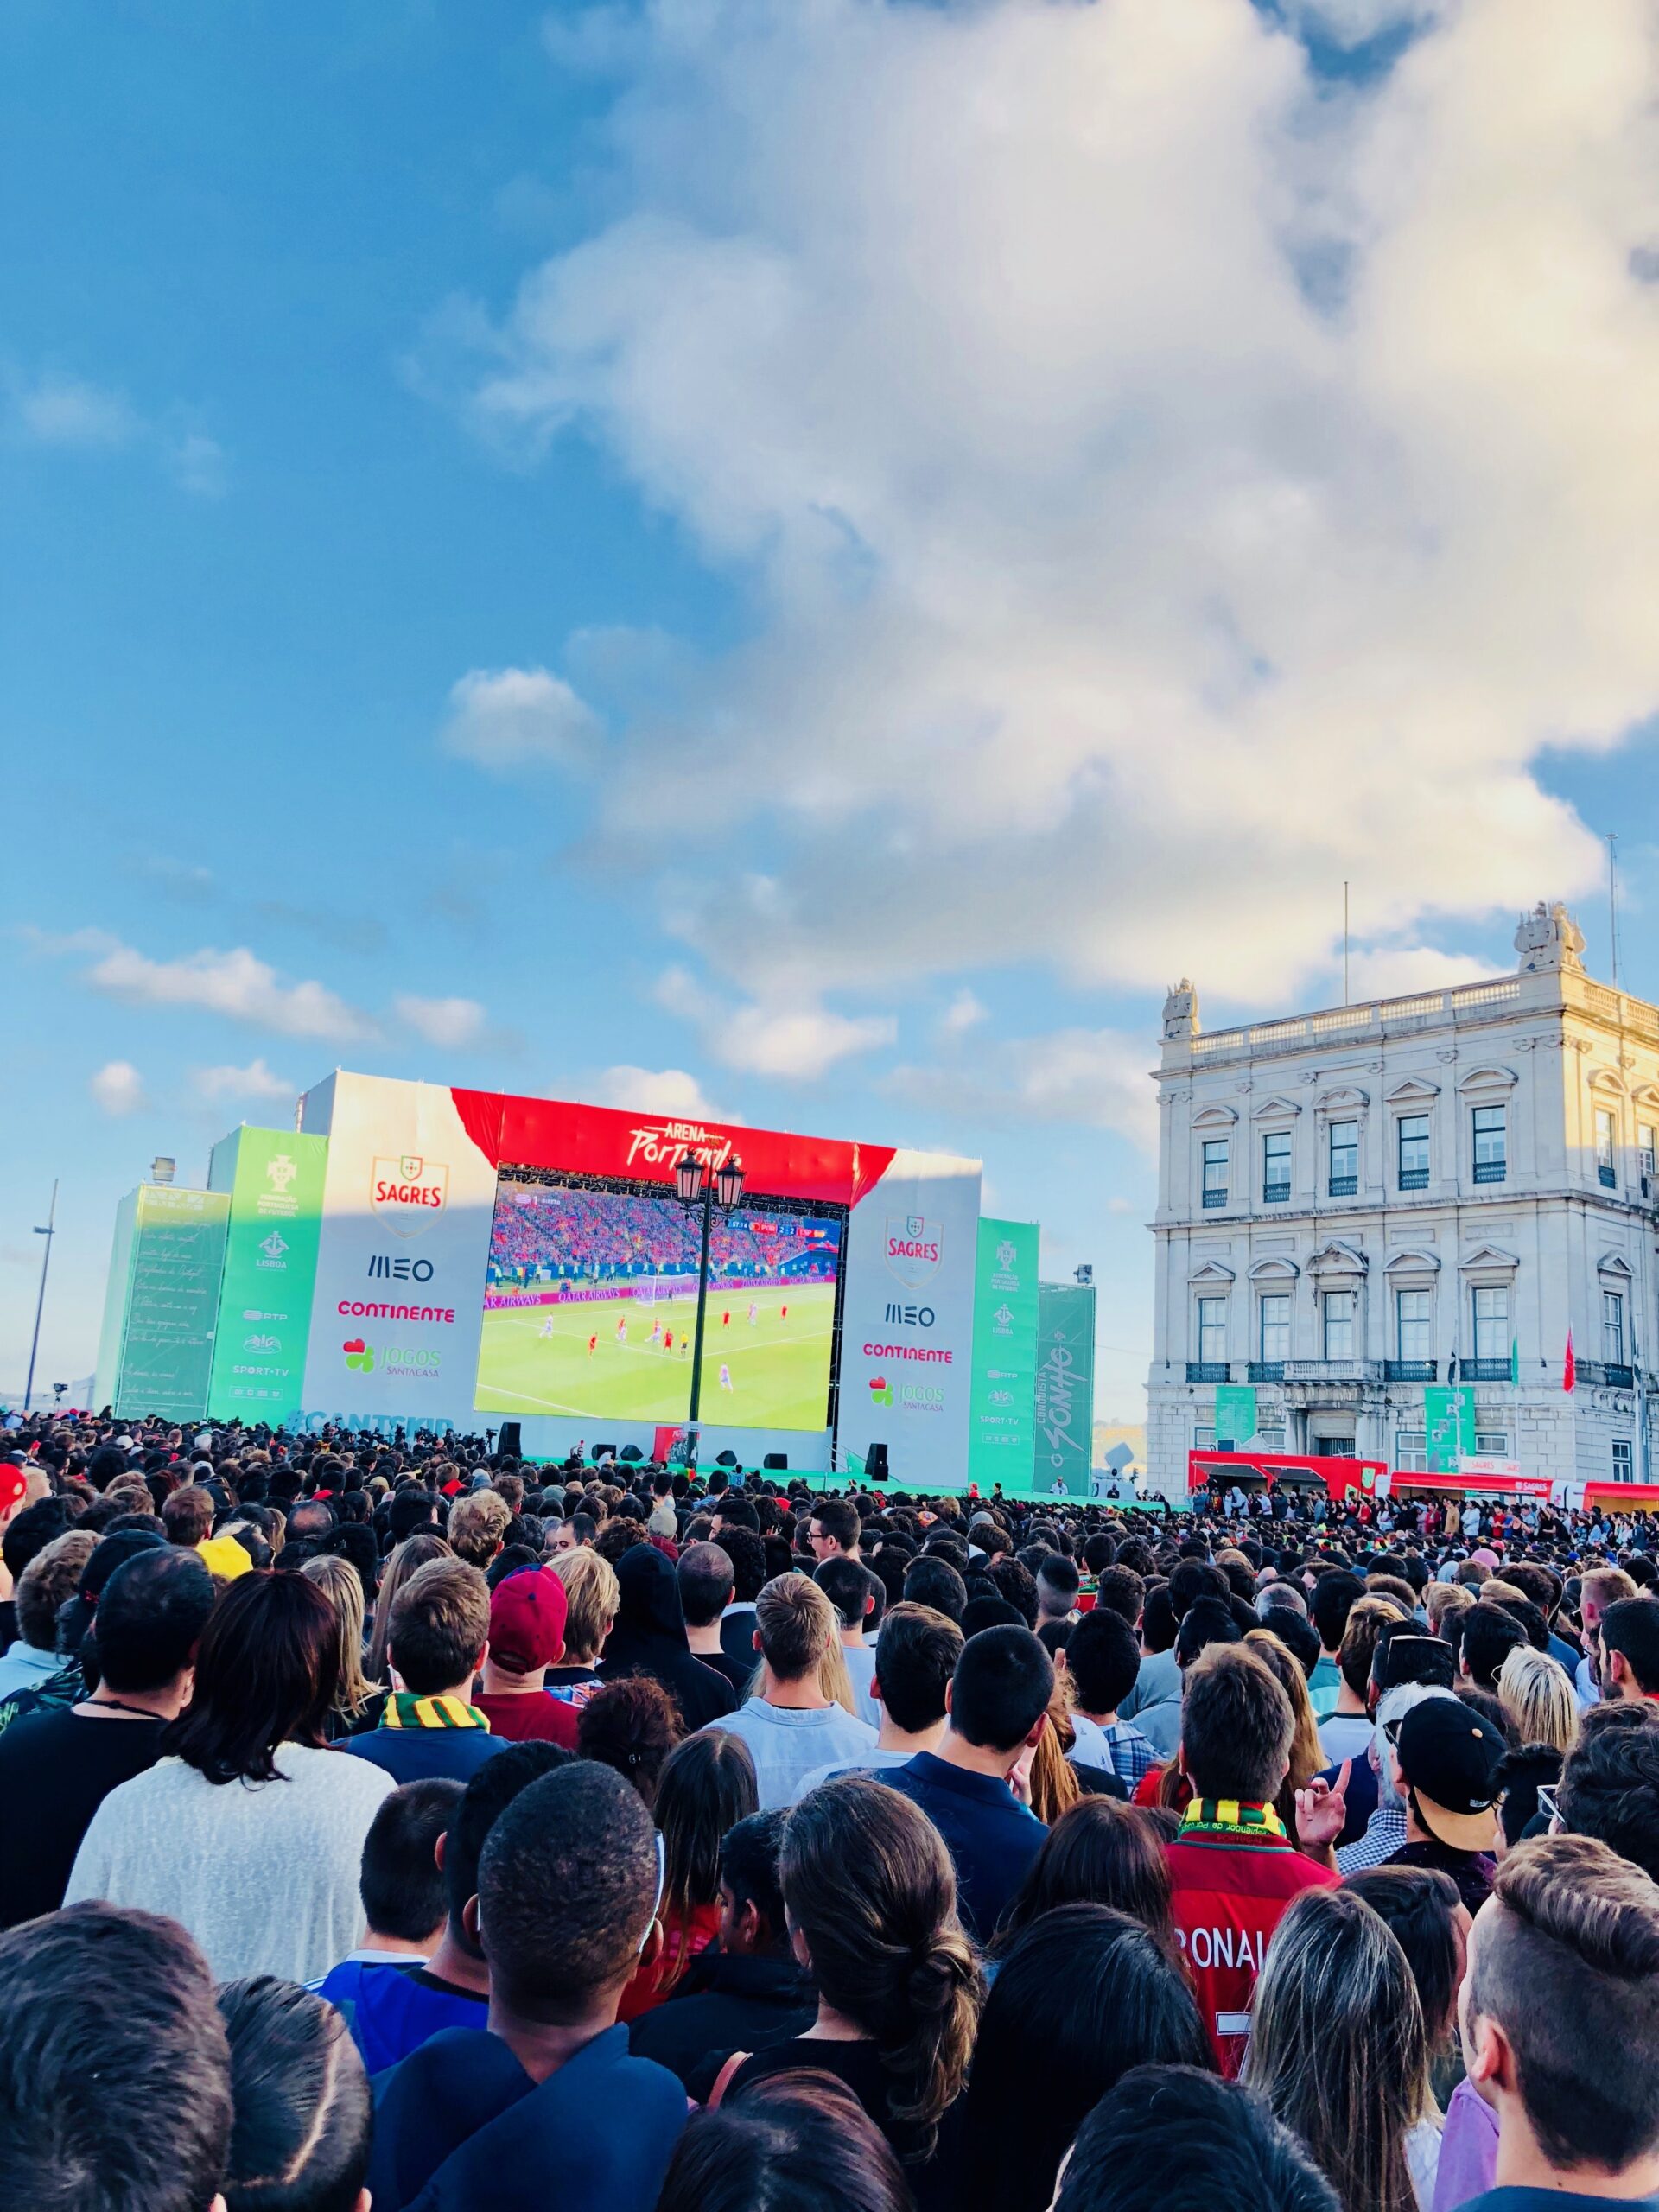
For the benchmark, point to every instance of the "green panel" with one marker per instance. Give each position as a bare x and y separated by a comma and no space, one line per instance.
1235,1415
1064,1398
275,1180
1002,1420
178,1255
1449,1416
117,1291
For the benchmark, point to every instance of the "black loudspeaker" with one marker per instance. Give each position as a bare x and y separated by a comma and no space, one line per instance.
598,1451
507,1440
875,1462
631,1452
775,1462
725,1458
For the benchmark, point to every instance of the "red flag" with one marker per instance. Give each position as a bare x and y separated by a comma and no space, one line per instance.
1569,1372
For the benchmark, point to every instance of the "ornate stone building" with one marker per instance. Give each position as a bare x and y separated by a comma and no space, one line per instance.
1350,1201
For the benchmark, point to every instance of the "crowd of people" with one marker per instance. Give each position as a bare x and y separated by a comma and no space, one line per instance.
400,1824
556,1232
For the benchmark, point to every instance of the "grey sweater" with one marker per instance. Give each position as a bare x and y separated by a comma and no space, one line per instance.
264,1875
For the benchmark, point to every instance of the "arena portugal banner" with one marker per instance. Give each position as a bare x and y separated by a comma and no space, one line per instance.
1002,1438
1064,1401
275,1181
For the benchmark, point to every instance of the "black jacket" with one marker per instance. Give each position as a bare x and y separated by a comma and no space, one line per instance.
723,2004
649,1638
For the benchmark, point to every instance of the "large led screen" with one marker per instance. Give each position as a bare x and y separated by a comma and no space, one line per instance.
591,1299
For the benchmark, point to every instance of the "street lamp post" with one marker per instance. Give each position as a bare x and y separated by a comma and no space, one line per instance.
696,1187
49,1232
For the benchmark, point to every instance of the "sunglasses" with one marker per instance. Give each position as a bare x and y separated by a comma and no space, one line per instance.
1548,1806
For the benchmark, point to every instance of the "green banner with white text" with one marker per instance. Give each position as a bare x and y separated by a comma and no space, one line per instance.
1002,1433
1064,1398
274,1178
176,1256
1449,1417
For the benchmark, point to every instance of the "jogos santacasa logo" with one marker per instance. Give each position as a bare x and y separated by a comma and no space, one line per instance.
359,1357
914,1247
408,1193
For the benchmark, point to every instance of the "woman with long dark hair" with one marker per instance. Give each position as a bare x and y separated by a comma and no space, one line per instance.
706,1787
1081,1995
871,1895
248,1831
1103,1852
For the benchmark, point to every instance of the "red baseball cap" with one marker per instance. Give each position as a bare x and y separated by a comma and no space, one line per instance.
527,1615
14,1484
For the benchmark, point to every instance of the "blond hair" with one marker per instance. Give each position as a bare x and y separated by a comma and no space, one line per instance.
1441,1599
1054,1785
593,1596
800,1635
339,1581
1539,1698
478,1527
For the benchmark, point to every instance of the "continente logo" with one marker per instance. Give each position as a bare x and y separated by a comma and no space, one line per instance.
359,1357
408,1192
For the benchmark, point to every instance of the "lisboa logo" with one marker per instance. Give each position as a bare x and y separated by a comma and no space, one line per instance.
359,1357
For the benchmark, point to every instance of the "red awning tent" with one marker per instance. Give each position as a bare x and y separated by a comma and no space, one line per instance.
1335,1476
1341,1477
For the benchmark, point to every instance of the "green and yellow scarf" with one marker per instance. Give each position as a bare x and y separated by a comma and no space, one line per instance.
405,1710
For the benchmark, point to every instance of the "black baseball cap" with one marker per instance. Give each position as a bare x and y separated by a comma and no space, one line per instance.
1449,1757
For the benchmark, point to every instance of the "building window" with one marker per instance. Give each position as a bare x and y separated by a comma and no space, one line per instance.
1276,1327
1204,1439
1215,1171
1270,1436
1645,1141
1344,1159
1338,1324
1275,1167
1605,1173
1491,1443
1413,1312
1624,1459
1492,1321
1411,1451
1212,1329
1492,1143
1613,1327
1413,1151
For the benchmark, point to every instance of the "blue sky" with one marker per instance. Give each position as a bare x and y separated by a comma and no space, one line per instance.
805,560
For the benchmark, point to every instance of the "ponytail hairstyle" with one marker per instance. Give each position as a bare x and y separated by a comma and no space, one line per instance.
1054,1785
707,1786
871,1890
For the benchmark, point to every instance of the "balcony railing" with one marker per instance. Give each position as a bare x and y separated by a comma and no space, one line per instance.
1488,1171
1265,1370
1332,1371
1484,1370
1343,1187
1214,1198
1410,1370
1275,1194
1414,1178
1208,1370
1609,1373
1605,1177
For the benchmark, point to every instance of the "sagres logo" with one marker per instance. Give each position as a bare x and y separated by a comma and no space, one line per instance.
359,1357
881,1390
913,1249
409,1193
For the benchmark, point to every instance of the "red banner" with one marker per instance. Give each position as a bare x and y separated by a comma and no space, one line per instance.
554,1136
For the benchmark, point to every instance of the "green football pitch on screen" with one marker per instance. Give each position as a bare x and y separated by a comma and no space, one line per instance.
610,1360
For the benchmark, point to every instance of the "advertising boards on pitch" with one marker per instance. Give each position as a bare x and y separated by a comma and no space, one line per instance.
1003,1433
1064,1404
407,1200
167,1347
275,1180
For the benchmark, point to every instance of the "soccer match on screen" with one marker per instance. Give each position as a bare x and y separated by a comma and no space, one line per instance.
590,1308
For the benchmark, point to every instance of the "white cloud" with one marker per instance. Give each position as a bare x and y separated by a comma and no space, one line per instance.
964,1013
198,465
442,1021
1383,973
1353,22
518,717
1142,456
233,984
669,1091
787,1035
58,410
1119,1205
254,1081
118,1087
1096,1078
